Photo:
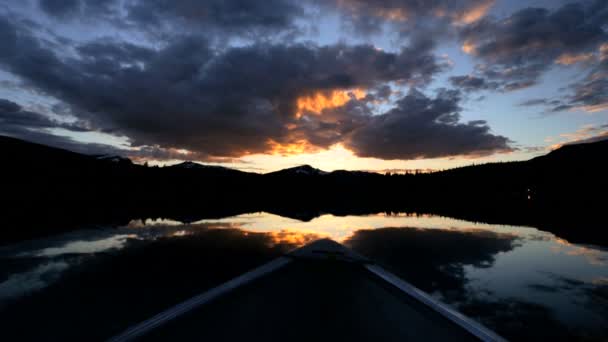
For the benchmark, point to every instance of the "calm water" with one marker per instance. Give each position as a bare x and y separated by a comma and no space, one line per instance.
520,281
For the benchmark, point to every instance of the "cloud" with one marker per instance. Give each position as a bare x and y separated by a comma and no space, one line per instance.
223,103
569,59
585,134
244,17
81,9
32,126
36,127
184,95
423,127
472,83
60,8
407,16
517,50
13,116
589,94
166,19
262,19
554,103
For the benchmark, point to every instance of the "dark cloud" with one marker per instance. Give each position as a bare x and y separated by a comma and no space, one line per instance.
168,18
535,149
13,116
423,127
533,102
541,102
225,101
272,18
591,93
221,103
60,8
223,16
32,126
371,16
472,83
84,9
35,127
517,50
7,106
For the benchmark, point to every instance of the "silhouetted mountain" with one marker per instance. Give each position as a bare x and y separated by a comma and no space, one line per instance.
201,170
302,170
197,166
115,159
47,189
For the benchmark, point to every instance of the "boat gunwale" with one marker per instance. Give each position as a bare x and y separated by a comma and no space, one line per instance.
309,251
473,327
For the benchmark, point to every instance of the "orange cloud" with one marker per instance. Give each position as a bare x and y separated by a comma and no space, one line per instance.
595,108
569,59
319,101
604,51
475,13
292,148
468,47
581,135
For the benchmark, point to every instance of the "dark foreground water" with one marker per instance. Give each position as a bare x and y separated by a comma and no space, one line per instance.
91,284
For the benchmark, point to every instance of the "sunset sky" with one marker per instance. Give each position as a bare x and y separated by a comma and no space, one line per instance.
338,84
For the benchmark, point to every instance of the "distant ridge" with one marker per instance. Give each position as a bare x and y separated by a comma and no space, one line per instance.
194,165
115,159
302,170
589,151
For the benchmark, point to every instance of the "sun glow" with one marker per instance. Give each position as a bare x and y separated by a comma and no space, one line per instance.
468,47
294,237
288,149
320,101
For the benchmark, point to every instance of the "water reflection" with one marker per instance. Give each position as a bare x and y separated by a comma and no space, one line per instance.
504,276
341,228
433,259
150,270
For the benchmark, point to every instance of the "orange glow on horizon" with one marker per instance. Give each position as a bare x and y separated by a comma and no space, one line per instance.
294,148
293,237
320,101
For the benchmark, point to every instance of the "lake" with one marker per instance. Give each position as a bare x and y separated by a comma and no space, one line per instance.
90,284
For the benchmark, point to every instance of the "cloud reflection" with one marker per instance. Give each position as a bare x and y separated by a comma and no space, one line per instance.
432,259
